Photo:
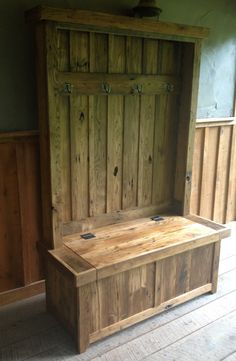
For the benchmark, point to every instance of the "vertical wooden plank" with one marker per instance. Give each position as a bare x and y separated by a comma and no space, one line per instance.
116,60
130,152
27,160
215,266
159,156
141,282
145,169
83,317
114,153
203,201
201,266
79,51
183,267
79,118
209,165
222,174
197,171
56,135
61,297
131,127
158,283
169,57
63,112
150,56
168,278
45,156
115,127
98,129
11,256
98,53
147,117
164,149
79,156
231,197
114,299
97,154
165,126
191,65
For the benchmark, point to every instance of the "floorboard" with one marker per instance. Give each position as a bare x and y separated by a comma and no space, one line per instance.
206,325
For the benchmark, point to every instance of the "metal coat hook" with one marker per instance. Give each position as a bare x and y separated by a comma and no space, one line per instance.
137,89
106,88
68,88
169,87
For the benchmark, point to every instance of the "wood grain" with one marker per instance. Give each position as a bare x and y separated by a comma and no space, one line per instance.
111,23
20,221
213,194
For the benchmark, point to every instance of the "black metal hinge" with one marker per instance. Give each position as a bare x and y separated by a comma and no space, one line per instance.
87,235
157,218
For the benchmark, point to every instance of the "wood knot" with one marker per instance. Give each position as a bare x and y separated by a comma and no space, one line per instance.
115,171
81,116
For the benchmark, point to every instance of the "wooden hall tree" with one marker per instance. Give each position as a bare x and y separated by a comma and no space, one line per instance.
117,106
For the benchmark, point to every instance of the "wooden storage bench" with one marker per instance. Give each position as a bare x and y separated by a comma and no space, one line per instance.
117,100
130,271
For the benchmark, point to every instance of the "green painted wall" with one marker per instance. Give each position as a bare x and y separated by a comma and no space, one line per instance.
217,80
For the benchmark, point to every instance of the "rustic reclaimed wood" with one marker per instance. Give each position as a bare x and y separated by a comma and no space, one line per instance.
119,97
20,210
131,271
100,163
110,23
213,184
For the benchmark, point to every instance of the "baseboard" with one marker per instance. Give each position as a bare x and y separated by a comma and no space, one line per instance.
21,293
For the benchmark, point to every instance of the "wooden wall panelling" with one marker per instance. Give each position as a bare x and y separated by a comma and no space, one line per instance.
213,192
209,155
27,157
197,171
20,210
231,196
12,274
222,174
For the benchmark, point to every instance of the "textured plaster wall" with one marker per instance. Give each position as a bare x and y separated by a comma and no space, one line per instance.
217,80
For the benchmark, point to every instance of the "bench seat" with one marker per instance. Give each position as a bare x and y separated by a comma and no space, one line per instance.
114,276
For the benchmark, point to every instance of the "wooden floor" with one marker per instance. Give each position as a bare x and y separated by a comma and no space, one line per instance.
202,329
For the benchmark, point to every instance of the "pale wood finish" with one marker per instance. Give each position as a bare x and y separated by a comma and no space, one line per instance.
131,271
26,328
213,189
127,242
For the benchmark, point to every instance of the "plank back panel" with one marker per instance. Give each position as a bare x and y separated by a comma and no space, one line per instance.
118,151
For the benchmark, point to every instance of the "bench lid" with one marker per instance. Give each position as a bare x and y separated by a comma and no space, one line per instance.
123,246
